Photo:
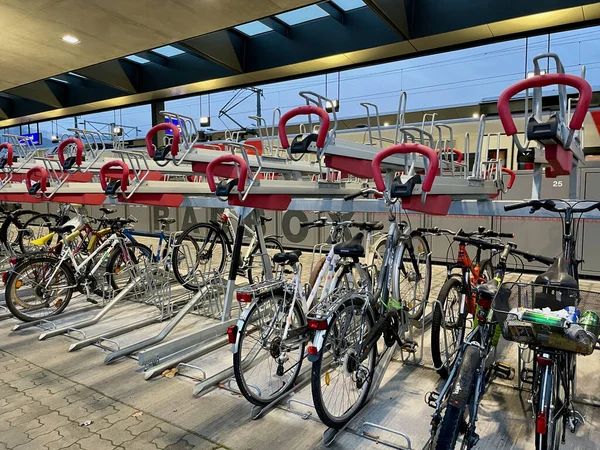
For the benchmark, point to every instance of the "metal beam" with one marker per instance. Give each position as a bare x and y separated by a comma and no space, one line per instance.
276,25
72,80
333,10
225,48
395,13
5,107
119,74
154,58
45,91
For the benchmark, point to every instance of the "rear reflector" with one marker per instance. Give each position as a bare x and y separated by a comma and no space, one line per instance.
224,218
540,423
4,277
312,350
317,324
232,331
243,297
13,261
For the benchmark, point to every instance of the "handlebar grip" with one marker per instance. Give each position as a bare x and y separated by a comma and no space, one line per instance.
428,230
78,152
114,164
353,196
304,111
9,152
506,235
306,224
39,172
515,206
227,158
538,81
430,154
163,126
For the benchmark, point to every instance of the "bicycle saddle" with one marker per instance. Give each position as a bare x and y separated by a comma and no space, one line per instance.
489,289
300,145
290,258
61,228
370,226
265,219
353,247
166,220
107,210
558,275
554,279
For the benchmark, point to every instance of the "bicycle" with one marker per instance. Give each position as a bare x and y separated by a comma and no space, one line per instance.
43,285
344,351
270,337
554,351
216,241
456,299
456,406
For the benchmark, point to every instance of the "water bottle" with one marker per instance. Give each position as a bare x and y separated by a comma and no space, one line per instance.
573,314
589,322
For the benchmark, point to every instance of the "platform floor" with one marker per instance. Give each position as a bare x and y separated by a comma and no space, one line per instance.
51,398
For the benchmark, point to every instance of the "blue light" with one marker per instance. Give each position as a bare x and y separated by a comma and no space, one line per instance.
168,51
137,59
349,5
301,15
253,28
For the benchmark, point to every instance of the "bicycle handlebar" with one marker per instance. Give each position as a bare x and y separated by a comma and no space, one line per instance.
513,249
78,151
9,152
538,81
549,205
481,232
427,152
304,111
163,126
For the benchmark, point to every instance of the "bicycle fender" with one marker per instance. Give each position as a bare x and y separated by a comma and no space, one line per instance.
318,341
240,324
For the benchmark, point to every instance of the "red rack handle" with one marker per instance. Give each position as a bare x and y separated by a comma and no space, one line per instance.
458,153
113,164
160,127
9,152
538,81
40,172
78,153
305,111
428,153
227,158
512,179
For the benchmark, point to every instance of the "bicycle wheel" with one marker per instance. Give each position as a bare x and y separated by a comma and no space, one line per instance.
409,286
255,264
211,252
486,270
264,365
447,327
340,383
457,409
119,268
35,228
377,253
39,287
17,222
549,425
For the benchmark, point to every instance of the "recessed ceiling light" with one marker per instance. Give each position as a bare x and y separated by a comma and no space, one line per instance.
70,39
386,124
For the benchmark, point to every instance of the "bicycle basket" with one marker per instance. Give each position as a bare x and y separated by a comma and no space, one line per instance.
551,333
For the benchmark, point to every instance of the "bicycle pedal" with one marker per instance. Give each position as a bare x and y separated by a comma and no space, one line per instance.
431,399
473,440
504,371
409,346
91,300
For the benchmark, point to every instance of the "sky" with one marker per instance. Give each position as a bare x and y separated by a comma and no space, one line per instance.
437,81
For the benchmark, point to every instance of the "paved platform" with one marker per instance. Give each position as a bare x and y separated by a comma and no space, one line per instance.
53,399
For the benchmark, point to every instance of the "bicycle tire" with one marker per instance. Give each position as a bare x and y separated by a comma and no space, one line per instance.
401,276
278,246
216,237
461,394
326,416
486,269
242,370
441,316
12,285
116,257
548,403
16,220
314,275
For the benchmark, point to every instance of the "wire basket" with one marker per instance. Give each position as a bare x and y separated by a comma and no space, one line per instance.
552,333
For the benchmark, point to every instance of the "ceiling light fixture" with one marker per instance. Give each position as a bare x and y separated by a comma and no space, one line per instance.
118,131
333,105
386,124
70,39
55,139
475,115
204,121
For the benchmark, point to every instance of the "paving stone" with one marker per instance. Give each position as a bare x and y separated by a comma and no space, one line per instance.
50,422
144,423
39,442
118,432
123,412
6,390
77,411
73,447
146,438
6,417
199,443
95,442
14,372
33,423
16,401
82,393
13,437
172,435
58,399
32,411
70,434
27,381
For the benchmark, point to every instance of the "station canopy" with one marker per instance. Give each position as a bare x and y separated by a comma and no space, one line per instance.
137,51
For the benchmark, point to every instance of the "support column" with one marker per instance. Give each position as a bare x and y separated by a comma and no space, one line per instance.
156,107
